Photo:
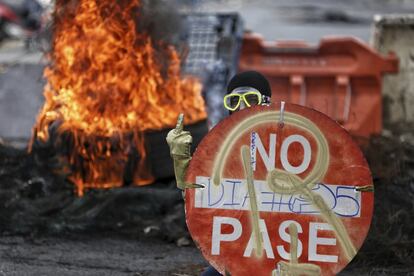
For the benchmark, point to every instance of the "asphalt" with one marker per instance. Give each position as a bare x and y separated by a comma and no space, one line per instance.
96,256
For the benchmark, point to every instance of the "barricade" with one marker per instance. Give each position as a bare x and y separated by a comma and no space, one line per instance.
341,77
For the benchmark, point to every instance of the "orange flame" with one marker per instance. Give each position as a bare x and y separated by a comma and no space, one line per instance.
107,84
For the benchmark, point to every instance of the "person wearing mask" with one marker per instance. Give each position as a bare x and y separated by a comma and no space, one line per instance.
244,90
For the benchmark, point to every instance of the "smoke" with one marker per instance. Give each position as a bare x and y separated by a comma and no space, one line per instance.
161,21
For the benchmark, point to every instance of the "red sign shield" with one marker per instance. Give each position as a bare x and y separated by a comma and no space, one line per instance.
285,191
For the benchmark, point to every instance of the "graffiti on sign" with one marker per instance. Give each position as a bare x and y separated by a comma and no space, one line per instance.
276,180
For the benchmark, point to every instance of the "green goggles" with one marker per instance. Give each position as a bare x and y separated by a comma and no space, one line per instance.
232,101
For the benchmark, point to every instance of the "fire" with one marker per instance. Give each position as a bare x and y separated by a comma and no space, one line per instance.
106,86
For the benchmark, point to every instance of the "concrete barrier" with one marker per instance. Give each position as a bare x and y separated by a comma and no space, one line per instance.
396,33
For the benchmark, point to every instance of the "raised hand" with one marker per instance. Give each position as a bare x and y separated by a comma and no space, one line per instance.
180,142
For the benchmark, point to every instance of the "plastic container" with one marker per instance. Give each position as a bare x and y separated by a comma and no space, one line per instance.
341,77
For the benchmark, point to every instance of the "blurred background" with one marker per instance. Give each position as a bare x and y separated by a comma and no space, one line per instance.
26,42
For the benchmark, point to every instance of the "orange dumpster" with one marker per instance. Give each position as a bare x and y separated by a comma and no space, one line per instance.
341,77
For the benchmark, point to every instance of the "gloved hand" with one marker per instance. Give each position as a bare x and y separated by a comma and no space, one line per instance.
180,142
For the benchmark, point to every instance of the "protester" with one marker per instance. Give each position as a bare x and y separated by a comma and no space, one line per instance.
244,90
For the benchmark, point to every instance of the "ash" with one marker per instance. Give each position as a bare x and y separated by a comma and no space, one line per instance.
388,249
37,200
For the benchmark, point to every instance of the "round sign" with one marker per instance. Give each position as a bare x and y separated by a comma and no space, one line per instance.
286,190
